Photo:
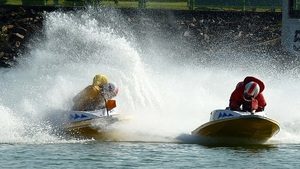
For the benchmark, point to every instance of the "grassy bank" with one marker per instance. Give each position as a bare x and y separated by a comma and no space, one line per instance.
120,4
150,4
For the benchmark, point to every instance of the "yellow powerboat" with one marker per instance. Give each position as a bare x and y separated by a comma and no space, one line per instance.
227,126
96,124
99,128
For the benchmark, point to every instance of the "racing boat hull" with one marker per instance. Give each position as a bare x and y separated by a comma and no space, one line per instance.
94,125
235,127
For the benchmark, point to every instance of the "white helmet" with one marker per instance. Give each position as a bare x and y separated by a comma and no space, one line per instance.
111,90
251,90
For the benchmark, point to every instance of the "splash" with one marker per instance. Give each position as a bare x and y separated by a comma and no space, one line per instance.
167,92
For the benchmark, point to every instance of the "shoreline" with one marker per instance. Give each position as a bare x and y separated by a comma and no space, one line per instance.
199,29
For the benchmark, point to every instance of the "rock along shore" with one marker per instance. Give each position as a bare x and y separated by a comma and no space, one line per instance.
199,28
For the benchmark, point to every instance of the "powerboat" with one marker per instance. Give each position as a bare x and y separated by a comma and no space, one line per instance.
237,127
96,124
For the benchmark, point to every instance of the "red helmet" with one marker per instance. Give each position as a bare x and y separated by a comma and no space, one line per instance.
251,90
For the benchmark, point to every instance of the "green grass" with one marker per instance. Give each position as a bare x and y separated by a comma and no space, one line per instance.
14,2
167,5
122,4
150,4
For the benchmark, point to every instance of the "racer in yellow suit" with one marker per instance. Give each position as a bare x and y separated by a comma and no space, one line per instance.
93,96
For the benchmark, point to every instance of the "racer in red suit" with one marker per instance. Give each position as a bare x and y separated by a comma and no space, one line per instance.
248,96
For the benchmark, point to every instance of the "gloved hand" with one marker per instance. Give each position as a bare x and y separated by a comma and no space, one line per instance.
254,105
260,109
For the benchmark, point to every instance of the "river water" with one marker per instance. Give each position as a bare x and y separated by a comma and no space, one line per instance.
168,92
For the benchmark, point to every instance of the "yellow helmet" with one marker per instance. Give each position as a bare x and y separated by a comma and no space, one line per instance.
100,80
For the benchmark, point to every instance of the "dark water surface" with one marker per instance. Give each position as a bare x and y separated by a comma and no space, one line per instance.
147,155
